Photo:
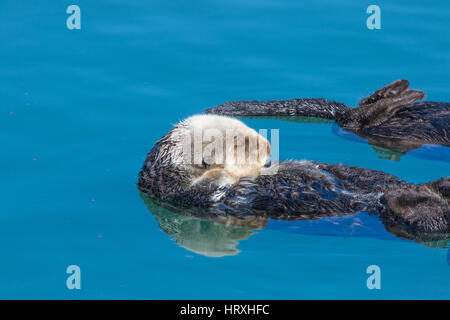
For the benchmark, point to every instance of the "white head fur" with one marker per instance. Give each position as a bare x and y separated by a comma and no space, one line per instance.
218,148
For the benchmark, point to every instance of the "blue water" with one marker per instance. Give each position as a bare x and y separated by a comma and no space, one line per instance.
79,109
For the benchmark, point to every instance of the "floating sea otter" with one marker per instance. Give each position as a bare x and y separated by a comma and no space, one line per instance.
389,118
208,177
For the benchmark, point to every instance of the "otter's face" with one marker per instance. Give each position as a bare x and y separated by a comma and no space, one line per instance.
246,152
213,143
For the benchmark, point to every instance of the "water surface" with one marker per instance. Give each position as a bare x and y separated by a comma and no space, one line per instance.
79,109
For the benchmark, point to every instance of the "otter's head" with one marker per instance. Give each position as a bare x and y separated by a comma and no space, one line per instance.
218,148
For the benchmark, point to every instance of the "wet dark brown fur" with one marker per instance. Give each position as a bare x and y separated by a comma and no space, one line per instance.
310,190
306,190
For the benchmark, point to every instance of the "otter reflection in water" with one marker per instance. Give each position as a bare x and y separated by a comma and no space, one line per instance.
190,175
212,236
216,237
390,118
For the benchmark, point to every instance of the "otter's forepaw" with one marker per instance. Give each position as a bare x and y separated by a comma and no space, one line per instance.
217,177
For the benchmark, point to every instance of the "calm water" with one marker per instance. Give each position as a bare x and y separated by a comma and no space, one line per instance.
80,109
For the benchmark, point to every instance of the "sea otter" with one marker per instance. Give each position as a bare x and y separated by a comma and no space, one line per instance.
218,166
390,117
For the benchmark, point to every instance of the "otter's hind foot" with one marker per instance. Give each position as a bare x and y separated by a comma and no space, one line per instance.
392,90
422,208
380,106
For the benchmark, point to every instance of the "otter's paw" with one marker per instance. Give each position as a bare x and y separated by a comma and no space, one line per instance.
380,106
217,177
392,90
441,187
417,208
